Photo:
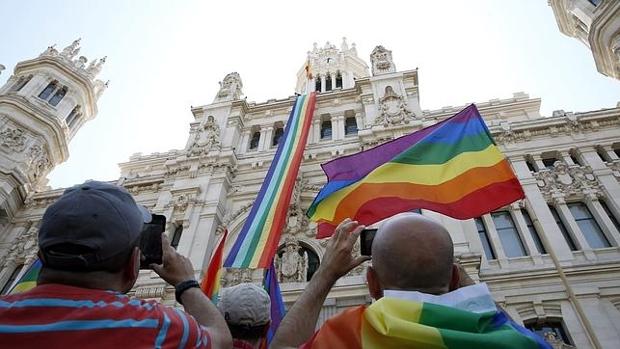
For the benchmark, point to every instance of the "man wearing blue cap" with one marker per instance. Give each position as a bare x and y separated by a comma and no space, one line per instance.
89,246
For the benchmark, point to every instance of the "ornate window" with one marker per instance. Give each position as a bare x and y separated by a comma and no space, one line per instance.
176,236
11,280
255,140
277,135
588,225
562,227
21,83
73,117
549,161
47,91
602,154
58,96
338,80
296,262
326,129
508,234
552,330
532,229
484,239
328,82
350,126
317,84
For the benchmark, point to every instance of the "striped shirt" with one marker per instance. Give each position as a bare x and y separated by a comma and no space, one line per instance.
60,316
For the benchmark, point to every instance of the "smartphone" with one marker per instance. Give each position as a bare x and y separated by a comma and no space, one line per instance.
366,238
150,241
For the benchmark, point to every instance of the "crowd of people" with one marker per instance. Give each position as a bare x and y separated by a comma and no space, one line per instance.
89,247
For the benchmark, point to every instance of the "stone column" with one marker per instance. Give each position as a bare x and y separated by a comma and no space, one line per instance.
610,152
541,215
244,145
603,220
604,174
524,231
261,141
338,127
333,76
322,83
538,162
268,138
316,124
573,229
496,242
567,158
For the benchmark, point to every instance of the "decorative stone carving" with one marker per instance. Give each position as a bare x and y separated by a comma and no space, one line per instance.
392,109
143,188
232,216
292,266
13,139
24,247
230,88
234,276
95,68
296,220
39,162
565,180
50,51
556,343
150,292
72,50
381,59
207,138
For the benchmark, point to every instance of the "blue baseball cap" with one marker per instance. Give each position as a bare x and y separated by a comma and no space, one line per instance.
88,225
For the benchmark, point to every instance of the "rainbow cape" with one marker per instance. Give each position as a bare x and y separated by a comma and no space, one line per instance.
210,284
29,279
452,167
258,240
397,323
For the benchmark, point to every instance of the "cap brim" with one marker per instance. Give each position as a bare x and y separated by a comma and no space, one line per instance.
146,215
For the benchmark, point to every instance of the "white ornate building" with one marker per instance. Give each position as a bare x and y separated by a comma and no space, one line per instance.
596,23
552,260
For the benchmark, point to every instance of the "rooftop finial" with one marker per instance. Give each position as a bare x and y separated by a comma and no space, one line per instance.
344,46
1,68
72,50
95,68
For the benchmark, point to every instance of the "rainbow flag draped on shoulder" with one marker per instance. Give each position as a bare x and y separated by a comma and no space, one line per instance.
258,240
452,167
393,322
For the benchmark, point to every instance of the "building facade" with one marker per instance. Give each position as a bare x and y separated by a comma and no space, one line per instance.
596,23
552,259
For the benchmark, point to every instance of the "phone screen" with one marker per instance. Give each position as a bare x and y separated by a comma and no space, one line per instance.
150,241
366,238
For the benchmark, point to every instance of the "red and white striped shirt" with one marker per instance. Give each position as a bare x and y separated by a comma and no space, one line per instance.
60,316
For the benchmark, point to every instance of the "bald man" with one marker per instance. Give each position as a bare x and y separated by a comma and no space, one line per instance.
423,299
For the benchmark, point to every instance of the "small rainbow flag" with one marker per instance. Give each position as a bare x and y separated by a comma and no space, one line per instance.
452,167
210,284
258,240
29,278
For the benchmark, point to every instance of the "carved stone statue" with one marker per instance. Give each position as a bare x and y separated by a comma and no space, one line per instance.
2,68
292,266
230,87
207,138
381,59
95,68
39,162
50,51
392,109
81,62
556,343
72,50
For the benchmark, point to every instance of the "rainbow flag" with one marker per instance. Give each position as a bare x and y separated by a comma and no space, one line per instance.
210,284
452,167
29,279
397,323
258,240
277,303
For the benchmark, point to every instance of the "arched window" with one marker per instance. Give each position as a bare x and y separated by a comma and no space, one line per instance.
313,260
58,96
47,91
255,140
338,80
176,236
317,84
21,83
350,126
328,82
11,280
73,116
277,135
326,129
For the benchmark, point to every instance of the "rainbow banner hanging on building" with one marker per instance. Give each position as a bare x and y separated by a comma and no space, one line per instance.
452,167
257,242
28,280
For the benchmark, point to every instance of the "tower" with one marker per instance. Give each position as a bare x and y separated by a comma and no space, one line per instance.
328,68
42,106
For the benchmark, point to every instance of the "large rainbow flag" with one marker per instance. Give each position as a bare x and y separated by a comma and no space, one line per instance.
452,167
29,279
258,240
396,323
210,284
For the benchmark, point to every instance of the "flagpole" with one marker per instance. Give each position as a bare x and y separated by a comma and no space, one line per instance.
569,290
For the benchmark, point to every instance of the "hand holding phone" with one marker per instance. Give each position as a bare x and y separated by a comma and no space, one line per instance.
150,242
366,238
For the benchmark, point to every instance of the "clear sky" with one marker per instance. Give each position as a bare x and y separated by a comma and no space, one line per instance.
165,56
